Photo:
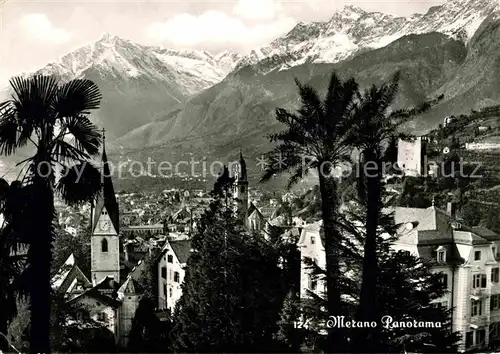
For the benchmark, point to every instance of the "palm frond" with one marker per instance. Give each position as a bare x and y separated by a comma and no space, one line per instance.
77,97
79,184
33,99
86,135
63,151
339,105
9,128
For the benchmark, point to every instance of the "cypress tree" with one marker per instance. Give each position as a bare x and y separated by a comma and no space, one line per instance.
231,291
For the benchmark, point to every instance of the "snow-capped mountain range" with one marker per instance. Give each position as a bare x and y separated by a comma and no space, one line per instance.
352,29
142,84
349,31
193,70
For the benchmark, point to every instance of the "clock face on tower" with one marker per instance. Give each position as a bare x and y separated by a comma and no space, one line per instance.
105,225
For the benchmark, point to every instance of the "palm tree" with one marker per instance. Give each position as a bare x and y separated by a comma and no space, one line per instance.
12,258
53,117
314,139
375,127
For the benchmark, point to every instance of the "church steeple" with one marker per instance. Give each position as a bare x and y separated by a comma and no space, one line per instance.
105,242
243,168
241,189
107,197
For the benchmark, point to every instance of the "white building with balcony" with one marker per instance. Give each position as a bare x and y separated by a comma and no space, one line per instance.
468,258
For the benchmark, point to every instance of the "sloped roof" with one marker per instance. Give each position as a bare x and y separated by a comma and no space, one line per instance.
179,212
434,228
268,212
67,274
428,219
131,285
107,198
486,233
181,248
63,272
105,291
254,209
428,253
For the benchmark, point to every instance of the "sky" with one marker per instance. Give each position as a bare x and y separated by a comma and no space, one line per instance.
34,33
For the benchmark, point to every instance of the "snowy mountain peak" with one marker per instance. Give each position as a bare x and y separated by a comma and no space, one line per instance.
106,37
113,57
350,11
352,29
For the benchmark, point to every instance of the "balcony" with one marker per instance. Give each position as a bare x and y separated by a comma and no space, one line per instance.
479,321
479,292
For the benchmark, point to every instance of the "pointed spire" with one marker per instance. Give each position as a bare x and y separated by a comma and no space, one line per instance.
243,168
107,198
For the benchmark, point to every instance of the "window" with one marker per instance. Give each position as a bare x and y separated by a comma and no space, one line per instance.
101,316
441,256
495,275
477,255
476,308
104,245
312,283
494,250
479,281
480,336
164,272
495,302
170,293
170,258
444,279
82,315
313,240
469,339
176,277
164,290
439,305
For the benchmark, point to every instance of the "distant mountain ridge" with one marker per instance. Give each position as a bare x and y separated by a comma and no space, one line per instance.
132,76
154,95
352,30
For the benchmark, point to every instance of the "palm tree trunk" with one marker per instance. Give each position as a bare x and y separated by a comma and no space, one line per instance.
368,309
4,344
328,188
41,260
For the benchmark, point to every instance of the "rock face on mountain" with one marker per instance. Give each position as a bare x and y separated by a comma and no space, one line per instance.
242,105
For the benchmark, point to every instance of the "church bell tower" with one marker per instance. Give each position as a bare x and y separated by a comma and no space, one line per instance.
105,242
240,191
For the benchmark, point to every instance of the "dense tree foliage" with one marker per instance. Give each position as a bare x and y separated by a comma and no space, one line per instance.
44,113
148,334
232,289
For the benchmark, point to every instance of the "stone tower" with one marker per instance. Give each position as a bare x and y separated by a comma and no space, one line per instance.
240,191
105,242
